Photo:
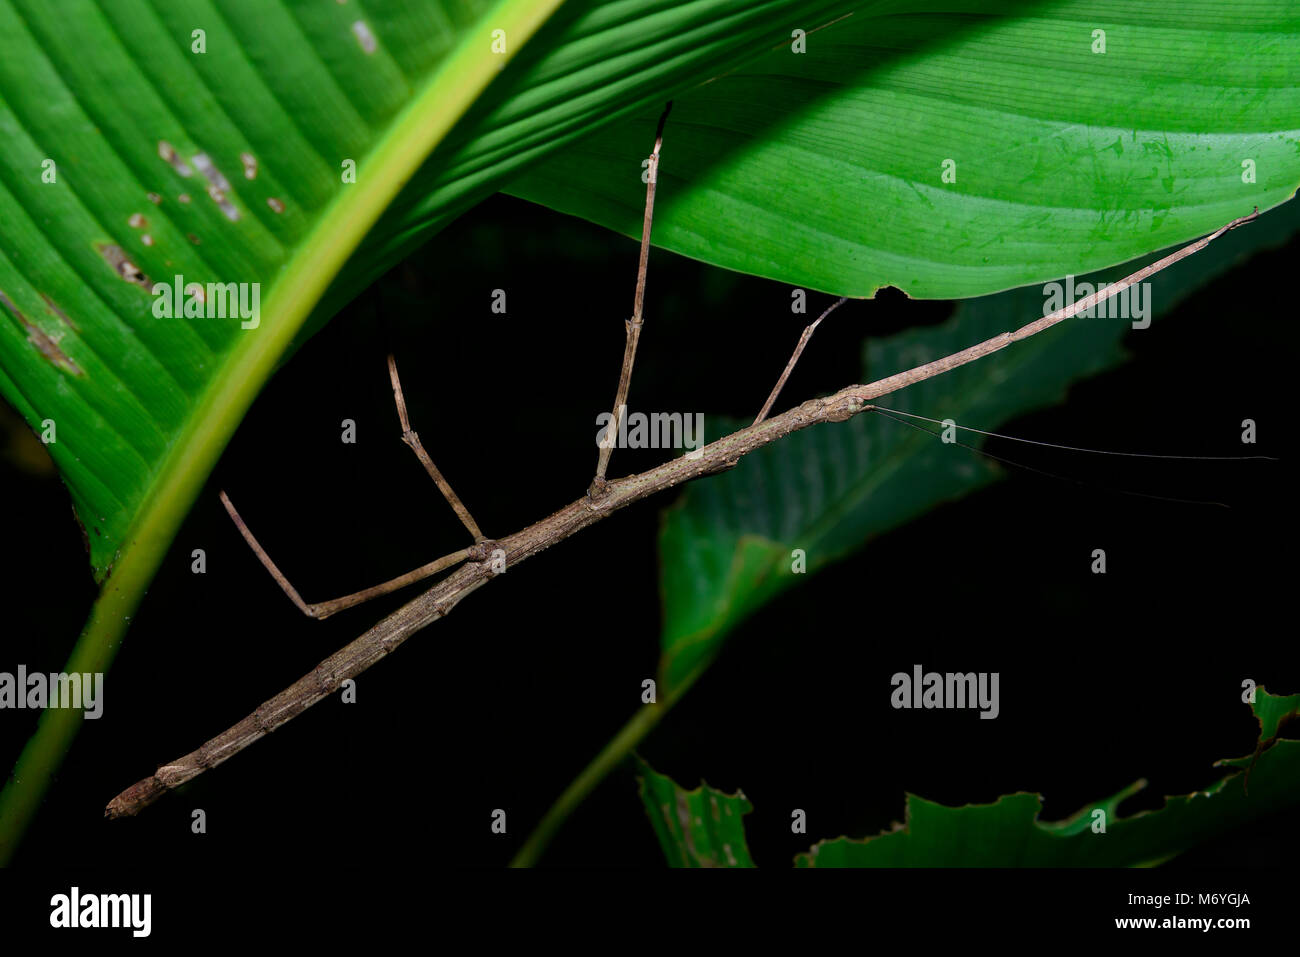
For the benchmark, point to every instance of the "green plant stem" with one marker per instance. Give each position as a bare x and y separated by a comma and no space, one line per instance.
44,751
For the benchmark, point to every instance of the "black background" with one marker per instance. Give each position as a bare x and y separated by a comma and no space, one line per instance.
1104,679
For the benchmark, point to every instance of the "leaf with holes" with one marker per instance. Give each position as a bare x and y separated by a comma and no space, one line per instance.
700,828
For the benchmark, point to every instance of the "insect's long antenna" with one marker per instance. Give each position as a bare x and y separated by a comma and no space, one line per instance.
1075,448
889,413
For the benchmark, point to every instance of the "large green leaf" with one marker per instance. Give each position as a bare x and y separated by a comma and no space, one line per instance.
727,546
1008,833
211,142
824,168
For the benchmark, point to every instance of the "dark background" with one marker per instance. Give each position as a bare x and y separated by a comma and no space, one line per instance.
1104,679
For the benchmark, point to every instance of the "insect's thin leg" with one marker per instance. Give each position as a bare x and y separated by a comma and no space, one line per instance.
798,351
634,324
324,609
413,440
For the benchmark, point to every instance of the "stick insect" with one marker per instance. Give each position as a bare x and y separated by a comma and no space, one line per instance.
475,565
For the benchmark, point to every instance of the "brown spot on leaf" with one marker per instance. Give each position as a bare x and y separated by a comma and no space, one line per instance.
210,172
218,186
219,197
137,221
116,257
688,838
168,152
47,344
275,204
361,30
